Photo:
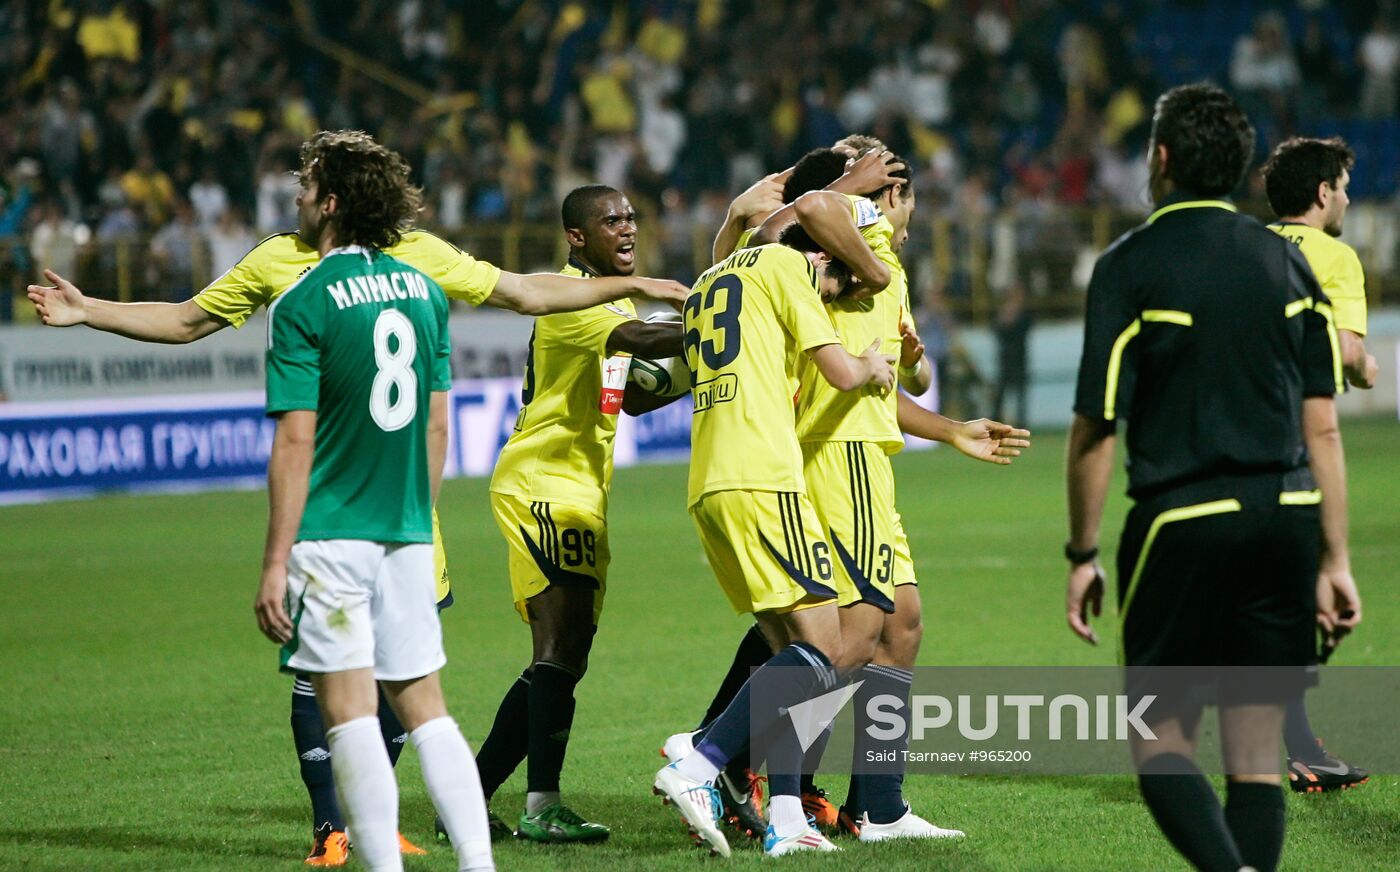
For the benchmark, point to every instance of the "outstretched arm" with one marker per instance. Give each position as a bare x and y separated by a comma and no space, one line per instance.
982,439
63,305
548,293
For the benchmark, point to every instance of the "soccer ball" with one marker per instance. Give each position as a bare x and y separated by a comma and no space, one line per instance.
661,378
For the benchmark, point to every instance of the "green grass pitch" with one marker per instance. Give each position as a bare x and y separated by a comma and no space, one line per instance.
144,726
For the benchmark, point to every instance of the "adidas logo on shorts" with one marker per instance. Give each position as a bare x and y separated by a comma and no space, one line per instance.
316,755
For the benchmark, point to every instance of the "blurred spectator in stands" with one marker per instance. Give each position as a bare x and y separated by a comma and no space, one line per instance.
1013,330
277,193
1379,56
1083,67
228,240
176,250
109,31
1263,69
68,130
1324,80
149,190
55,240
208,197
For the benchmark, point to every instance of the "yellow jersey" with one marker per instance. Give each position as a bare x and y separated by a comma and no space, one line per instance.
278,261
562,447
825,414
1337,269
748,321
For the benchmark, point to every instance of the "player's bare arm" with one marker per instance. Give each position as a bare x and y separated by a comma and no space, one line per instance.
649,339
749,209
915,370
288,478
1088,468
437,440
63,304
983,439
847,372
826,216
549,293
870,172
1338,602
1358,365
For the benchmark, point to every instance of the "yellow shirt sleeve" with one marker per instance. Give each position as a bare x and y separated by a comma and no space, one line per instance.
261,274
1346,287
798,303
588,329
461,276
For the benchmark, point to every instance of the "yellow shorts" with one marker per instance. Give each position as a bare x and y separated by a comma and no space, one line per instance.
766,548
903,559
443,591
852,486
552,543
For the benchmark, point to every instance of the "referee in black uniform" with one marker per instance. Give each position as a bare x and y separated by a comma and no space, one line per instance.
1209,336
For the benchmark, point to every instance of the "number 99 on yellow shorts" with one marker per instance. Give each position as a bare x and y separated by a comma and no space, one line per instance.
552,543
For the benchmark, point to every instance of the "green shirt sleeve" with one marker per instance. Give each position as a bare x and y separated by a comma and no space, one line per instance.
441,371
293,354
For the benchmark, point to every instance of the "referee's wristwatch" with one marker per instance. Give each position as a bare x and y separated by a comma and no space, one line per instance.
1079,557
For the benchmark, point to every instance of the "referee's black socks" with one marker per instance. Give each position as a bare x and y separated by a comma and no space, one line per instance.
1188,812
1255,815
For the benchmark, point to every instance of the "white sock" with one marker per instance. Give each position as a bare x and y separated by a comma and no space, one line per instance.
697,767
536,800
368,794
786,815
455,787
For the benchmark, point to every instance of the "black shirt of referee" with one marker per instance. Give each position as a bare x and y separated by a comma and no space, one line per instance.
1203,332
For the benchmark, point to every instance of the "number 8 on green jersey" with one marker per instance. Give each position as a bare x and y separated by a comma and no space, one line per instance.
362,340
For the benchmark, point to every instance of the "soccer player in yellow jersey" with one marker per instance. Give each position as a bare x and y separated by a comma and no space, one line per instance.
258,279
549,495
846,440
1306,182
749,322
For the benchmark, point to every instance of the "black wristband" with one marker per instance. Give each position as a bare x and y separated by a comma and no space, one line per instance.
1079,558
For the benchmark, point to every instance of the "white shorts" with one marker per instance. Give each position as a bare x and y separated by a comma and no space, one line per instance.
360,605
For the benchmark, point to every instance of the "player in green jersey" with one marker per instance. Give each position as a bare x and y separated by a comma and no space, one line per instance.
357,376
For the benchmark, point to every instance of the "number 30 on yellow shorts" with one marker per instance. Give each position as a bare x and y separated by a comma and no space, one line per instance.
552,543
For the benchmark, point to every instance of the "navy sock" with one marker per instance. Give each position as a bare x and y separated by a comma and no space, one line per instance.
389,727
793,675
1189,813
509,740
812,759
1255,815
551,717
314,752
877,782
1297,732
752,653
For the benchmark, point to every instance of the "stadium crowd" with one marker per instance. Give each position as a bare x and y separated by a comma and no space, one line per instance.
173,126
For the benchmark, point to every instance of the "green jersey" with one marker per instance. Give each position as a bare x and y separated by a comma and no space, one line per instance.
362,340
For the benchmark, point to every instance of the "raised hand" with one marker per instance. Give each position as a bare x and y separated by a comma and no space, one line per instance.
991,441
763,197
911,349
59,305
881,366
870,172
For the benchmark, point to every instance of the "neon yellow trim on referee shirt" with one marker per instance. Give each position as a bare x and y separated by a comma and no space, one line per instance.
1168,316
1325,310
1185,513
1115,363
1300,498
1192,204
1115,357
1297,306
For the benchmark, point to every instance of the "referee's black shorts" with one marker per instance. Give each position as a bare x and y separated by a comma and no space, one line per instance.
1223,573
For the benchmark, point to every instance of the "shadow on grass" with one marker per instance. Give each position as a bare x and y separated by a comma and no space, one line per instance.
125,839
